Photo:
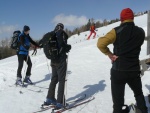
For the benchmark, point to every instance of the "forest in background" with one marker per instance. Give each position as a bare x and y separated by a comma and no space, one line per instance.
6,51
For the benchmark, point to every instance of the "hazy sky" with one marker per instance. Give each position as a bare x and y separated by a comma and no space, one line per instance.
42,15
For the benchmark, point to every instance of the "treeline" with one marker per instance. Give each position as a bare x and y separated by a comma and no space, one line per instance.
98,24
86,27
5,50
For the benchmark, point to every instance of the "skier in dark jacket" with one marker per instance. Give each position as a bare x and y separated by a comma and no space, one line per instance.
23,55
59,68
127,40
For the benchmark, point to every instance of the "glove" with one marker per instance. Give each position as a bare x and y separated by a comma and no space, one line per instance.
41,46
68,48
65,49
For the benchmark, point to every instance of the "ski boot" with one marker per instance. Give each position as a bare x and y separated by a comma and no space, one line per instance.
28,80
125,109
49,102
19,82
59,106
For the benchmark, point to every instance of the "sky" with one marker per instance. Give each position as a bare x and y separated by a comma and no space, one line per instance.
43,15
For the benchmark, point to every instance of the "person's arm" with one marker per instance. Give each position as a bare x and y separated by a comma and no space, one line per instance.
143,35
103,43
63,46
33,42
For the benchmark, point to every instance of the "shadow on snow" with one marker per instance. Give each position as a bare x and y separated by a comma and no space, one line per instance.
90,90
47,77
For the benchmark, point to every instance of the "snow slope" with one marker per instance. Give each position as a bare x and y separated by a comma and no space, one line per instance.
89,72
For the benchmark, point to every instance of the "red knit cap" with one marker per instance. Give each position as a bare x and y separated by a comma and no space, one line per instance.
126,14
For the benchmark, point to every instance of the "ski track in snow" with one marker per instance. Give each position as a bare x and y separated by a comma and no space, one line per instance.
88,70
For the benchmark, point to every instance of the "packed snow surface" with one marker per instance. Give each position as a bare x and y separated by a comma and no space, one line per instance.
88,73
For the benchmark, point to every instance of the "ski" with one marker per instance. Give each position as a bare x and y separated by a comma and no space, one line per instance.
36,91
25,87
79,99
52,106
40,87
74,106
44,109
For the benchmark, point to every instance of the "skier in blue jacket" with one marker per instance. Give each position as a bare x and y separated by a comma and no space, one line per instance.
24,41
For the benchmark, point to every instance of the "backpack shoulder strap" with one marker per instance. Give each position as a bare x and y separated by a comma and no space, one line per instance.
65,37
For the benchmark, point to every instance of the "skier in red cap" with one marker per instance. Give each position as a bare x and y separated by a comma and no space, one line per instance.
127,40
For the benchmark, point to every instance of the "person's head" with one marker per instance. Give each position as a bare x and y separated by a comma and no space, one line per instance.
126,14
59,26
26,29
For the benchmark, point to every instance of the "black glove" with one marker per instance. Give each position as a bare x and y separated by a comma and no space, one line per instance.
41,45
68,48
65,49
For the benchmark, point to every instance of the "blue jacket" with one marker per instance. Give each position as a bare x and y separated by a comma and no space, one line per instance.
24,41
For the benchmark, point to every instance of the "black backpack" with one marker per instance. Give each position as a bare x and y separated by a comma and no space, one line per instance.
50,45
14,42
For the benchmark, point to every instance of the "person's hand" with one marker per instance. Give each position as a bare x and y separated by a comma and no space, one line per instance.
65,49
36,47
112,57
41,46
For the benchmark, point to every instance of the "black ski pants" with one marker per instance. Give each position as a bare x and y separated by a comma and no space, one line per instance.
21,59
58,76
118,81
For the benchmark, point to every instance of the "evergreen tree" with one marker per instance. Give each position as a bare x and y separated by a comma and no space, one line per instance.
88,25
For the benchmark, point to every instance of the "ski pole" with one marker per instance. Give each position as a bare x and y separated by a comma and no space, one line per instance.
25,67
24,72
48,65
65,89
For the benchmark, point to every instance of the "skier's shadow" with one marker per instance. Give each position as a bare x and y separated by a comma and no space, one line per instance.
47,77
90,90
